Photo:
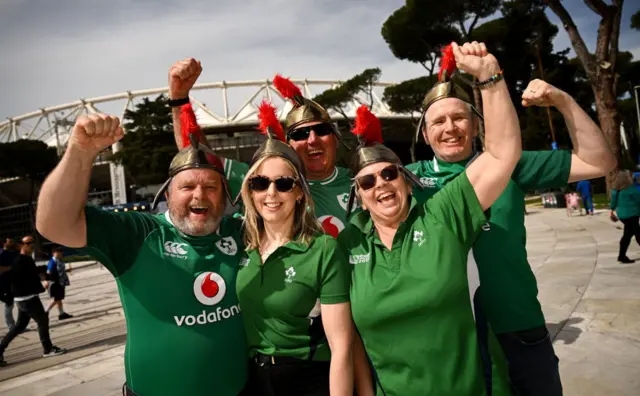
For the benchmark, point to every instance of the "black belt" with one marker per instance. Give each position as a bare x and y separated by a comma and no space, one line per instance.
266,360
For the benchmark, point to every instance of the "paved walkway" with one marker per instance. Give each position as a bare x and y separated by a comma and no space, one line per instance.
591,302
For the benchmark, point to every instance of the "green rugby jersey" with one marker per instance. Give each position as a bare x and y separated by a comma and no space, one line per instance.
330,197
184,329
509,290
412,304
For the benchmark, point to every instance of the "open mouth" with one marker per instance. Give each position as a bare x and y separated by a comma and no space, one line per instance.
452,140
315,154
386,197
273,205
199,210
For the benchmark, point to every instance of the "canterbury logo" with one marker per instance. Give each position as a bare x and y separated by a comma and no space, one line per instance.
175,249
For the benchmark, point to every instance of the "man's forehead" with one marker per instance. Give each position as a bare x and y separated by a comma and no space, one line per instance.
198,175
445,106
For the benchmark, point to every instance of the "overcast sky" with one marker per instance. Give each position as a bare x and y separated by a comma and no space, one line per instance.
55,52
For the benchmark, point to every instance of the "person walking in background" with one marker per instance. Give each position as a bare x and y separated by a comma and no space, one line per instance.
58,280
584,189
6,293
26,286
625,203
573,203
636,180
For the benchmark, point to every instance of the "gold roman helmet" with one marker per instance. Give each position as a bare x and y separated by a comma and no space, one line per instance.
371,150
304,110
194,154
445,88
274,145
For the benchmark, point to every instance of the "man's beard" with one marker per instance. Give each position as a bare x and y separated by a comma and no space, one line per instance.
182,223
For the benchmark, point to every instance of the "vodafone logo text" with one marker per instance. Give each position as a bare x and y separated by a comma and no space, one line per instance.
209,288
210,317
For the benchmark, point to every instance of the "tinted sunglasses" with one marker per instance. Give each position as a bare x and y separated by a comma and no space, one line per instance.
389,173
28,243
303,133
262,183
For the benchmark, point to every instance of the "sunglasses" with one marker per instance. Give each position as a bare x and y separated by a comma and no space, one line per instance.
367,182
303,133
27,243
261,183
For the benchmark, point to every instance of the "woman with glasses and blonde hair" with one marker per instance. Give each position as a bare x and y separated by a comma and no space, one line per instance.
293,285
625,205
411,289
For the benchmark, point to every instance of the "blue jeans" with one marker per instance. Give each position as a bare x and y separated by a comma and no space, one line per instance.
587,203
8,315
533,365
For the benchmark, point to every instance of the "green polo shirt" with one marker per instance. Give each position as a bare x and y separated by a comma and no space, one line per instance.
412,304
278,297
509,290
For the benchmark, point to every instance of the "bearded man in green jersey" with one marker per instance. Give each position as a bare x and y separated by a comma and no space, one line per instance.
309,130
176,272
508,291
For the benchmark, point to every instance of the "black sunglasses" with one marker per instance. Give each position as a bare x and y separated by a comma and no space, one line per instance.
262,183
389,173
28,243
303,133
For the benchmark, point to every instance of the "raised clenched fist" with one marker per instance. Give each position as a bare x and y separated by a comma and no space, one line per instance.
541,93
473,58
95,132
182,77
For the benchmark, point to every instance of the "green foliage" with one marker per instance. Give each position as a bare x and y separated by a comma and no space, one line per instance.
406,97
29,159
635,20
337,98
148,146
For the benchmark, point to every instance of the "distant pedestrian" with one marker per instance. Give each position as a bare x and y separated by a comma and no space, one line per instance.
58,280
625,202
573,203
26,286
6,294
584,189
636,180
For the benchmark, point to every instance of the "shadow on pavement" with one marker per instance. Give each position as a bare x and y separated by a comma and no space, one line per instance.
565,331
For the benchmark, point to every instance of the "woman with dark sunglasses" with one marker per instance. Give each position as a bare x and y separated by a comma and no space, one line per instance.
292,273
410,289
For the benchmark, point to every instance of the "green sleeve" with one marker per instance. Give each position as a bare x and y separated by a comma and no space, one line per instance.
542,169
334,273
614,199
235,171
457,207
114,239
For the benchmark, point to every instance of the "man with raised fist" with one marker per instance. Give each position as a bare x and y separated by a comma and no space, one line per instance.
507,296
309,130
176,272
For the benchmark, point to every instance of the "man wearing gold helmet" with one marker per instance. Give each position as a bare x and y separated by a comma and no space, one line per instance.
508,292
176,271
309,130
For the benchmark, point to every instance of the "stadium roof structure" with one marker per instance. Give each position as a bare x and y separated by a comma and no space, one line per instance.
229,104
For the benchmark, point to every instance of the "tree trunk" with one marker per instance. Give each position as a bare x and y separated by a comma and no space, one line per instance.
609,120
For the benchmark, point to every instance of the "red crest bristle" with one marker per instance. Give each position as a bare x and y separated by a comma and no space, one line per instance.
269,120
286,87
447,62
367,126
